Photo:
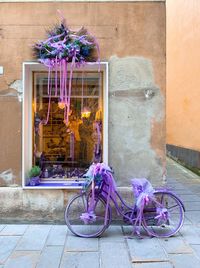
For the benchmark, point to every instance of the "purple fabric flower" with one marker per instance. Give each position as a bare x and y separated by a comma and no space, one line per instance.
162,215
88,217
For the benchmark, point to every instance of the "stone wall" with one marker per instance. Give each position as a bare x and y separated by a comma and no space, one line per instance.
41,206
136,105
132,39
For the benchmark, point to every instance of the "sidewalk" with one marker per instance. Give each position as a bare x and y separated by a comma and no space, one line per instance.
51,246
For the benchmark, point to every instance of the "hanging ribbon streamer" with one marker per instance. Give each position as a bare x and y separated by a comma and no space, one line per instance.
82,82
56,78
65,46
72,146
49,89
98,137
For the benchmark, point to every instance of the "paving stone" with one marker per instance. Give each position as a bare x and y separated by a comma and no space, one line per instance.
80,260
127,230
57,235
34,237
113,233
176,170
185,260
191,234
196,249
50,257
177,186
14,229
114,255
187,221
192,206
194,216
184,191
171,183
154,265
171,180
148,249
23,259
190,198
74,243
194,185
7,245
196,191
1,227
175,245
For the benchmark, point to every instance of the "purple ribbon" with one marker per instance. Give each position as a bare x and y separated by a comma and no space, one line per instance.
49,93
109,187
72,146
98,137
56,77
62,49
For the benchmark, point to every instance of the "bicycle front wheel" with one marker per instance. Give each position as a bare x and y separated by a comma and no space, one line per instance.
75,210
164,215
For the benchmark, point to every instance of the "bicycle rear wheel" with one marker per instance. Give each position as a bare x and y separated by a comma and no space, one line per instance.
77,207
164,216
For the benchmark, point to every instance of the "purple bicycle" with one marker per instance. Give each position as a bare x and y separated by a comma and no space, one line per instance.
160,212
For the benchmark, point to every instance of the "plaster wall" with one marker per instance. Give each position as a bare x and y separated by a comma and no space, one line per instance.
183,64
132,38
41,206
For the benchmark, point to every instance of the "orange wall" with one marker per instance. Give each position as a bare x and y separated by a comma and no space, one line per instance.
183,73
122,29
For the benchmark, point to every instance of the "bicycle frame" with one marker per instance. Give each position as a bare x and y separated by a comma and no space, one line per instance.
100,191
103,193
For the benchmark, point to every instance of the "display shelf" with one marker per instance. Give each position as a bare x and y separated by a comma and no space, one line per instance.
60,162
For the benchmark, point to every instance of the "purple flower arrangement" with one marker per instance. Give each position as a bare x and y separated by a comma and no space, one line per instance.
65,44
61,52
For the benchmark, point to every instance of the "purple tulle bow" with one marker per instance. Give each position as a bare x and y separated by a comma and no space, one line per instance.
144,193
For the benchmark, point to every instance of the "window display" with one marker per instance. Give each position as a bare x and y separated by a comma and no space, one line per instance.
62,148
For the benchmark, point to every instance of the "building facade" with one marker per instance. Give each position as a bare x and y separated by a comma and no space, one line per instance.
130,90
183,141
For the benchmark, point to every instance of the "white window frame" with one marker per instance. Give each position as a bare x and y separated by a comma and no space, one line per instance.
28,69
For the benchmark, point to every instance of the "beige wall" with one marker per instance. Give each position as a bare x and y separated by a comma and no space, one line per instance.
183,78
123,29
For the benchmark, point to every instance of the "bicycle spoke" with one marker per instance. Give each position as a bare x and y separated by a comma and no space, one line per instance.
172,207
85,204
168,215
86,223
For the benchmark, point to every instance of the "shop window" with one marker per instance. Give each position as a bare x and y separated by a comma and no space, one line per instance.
64,150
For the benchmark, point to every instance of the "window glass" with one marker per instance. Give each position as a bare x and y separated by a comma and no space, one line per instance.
64,150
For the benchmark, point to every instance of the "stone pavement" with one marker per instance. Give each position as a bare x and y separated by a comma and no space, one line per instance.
51,246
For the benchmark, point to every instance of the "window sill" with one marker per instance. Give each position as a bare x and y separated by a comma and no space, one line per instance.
53,184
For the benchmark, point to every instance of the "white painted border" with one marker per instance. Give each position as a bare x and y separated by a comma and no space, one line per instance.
28,68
